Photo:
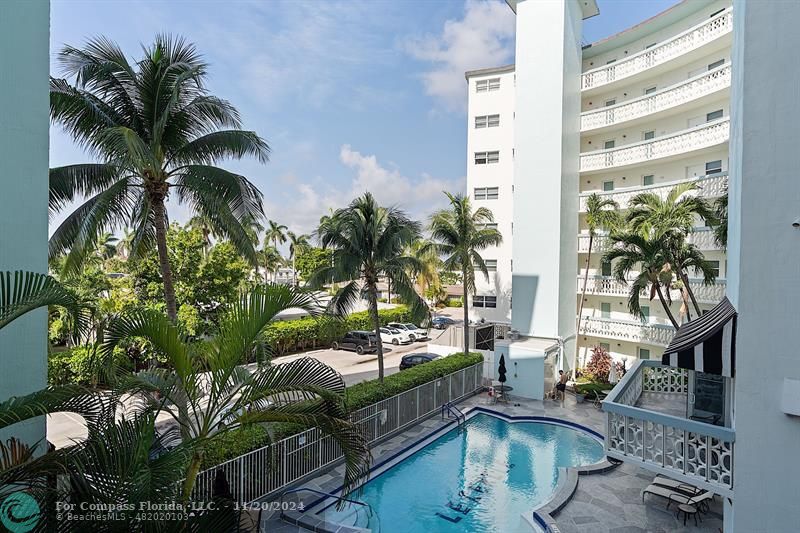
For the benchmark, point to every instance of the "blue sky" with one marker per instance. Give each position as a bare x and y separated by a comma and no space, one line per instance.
350,95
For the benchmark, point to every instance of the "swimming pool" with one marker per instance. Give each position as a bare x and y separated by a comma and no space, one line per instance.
481,477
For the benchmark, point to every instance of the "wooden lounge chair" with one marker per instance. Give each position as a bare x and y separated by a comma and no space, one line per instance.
700,500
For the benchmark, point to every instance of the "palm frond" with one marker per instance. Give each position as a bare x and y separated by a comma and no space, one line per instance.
22,292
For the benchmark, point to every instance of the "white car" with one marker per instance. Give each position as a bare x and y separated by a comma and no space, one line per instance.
394,336
414,332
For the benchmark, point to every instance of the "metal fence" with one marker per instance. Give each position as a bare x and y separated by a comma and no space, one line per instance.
267,470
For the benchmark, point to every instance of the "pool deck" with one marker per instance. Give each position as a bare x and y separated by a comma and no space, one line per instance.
609,502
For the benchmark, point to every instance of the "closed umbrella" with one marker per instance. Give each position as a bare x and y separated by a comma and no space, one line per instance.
612,374
501,370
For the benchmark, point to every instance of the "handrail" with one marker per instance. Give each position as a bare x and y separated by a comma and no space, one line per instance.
455,411
678,133
321,493
644,188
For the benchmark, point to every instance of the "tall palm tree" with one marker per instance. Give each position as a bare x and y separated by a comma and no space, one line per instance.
155,130
601,213
202,224
459,235
368,242
271,260
427,279
208,392
297,243
276,233
253,227
124,246
721,213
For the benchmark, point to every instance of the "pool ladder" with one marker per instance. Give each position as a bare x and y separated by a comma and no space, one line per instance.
450,409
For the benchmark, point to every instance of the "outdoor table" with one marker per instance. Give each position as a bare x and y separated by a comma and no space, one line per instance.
687,510
502,388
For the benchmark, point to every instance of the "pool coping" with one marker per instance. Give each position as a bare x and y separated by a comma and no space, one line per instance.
541,517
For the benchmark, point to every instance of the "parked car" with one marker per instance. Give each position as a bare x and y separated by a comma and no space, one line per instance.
357,341
415,332
394,336
441,322
414,359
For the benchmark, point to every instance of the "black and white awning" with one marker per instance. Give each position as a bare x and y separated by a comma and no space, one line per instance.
706,344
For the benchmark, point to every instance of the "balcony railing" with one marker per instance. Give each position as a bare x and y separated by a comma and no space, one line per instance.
689,40
667,98
702,136
695,452
609,286
702,237
712,186
627,330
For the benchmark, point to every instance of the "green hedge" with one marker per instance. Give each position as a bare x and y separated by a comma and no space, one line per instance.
294,335
233,443
74,366
454,302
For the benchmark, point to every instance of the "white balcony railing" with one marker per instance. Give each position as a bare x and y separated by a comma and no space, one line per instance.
695,452
702,237
702,136
667,98
712,186
684,42
627,330
609,286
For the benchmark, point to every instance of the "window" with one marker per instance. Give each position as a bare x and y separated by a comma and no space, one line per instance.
484,158
645,309
715,64
492,225
487,193
491,84
491,264
494,121
608,185
494,84
644,353
605,310
487,121
611,102
714,167
649,135
714,267
480,122
650,90
608,145
714,115
484,301
605,268
648,179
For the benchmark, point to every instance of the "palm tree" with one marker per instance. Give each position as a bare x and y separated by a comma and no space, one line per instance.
202,224
427,279
271,260
155,130
276,233
253,227
368,243
721,213
601,213
459,235
124,246
208,393
297,243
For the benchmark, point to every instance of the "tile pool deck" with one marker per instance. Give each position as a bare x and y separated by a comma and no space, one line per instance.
609,502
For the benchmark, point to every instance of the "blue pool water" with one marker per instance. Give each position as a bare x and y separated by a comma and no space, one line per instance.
480,478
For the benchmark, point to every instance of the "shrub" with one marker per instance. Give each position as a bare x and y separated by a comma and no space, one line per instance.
455,302
75,366
233,443
599,364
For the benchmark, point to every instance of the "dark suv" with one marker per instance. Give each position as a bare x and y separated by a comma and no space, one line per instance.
414,359
357,341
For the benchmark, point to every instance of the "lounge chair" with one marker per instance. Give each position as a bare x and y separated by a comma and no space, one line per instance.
678,486
700,500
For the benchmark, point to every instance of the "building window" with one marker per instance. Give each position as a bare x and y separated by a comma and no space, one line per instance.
608,145
484,301
605,310
650,90
605,268
491,84
714,115
494,84
491,264
485,158
608,185
493,121
714,167
480,122
714,267
487,193
645,309
715,64
487,121
611,102
492,225
648,180
644,353
649,135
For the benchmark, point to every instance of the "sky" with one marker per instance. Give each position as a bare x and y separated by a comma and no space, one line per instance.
350,95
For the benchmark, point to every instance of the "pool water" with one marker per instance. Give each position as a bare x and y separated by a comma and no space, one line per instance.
478,478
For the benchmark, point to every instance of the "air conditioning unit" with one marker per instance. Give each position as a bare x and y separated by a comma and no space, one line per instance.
513,334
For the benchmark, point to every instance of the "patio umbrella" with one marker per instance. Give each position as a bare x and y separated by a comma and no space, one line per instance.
612,373
501,370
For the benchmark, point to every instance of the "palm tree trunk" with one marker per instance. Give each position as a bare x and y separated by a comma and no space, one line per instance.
160,222
580,307
666,306
685,280
191,475
376,324
465,305
266,272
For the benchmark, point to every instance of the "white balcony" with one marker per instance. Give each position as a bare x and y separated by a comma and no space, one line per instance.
609,286
627,330
640,430
712,186
679,45
703,136
702,237
684,92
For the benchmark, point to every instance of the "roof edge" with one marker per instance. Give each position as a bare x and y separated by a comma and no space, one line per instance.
490,70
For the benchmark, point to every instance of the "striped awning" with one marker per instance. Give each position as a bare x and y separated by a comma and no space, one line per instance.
706,344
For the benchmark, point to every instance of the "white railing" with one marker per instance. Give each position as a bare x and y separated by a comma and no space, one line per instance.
702,136
712,186
627,330
695,452
684,42
702,237
667,98
609,286
267,470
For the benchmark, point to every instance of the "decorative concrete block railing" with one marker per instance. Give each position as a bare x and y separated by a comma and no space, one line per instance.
696,138
627,330
695,452
667,98
268,470
702,237
712,186
687,41
610,286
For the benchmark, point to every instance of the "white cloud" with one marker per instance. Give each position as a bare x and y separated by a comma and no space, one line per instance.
483,37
